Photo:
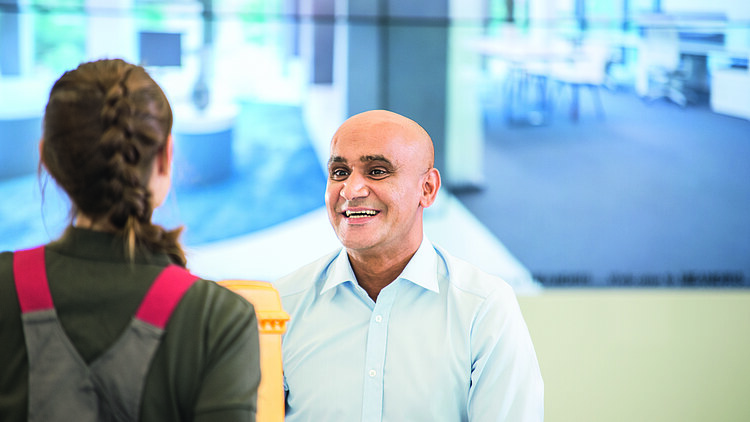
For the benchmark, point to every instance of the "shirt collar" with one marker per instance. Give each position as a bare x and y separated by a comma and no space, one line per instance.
421,269
340,271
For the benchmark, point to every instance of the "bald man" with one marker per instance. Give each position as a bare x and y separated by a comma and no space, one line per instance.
392,327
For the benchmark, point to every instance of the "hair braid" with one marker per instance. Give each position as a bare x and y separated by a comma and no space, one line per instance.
121,152
104,125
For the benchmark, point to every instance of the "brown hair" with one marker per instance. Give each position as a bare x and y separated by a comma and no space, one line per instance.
104,124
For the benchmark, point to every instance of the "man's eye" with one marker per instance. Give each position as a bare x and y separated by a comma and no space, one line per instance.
339,173
378,173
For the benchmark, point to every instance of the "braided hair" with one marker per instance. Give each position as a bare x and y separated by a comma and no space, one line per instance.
104,125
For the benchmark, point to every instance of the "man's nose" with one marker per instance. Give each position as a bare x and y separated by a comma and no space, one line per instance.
354,187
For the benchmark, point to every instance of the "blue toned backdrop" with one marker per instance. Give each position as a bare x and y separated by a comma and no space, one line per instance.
276,176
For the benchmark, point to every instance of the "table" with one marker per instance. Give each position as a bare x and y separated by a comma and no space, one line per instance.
528,61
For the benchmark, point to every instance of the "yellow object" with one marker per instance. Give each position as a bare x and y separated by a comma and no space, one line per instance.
271,324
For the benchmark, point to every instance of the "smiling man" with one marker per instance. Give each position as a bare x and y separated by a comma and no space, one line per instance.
392,327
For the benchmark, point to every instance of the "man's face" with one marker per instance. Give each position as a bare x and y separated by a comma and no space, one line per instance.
374,193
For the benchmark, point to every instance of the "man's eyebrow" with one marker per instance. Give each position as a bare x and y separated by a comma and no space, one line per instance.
336,159
369,158
364,159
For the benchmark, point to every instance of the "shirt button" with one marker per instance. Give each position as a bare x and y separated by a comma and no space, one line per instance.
378,318
372,372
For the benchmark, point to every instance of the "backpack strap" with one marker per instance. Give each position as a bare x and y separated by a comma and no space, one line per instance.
30,275
164,295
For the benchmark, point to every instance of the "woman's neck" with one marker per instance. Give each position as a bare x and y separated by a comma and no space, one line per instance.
84,222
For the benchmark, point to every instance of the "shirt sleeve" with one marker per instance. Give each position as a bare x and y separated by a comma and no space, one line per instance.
506,383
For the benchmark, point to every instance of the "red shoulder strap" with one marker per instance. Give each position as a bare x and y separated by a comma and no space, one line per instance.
164,295
30,275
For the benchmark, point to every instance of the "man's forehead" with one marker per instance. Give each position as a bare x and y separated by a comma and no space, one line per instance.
377,136
365,146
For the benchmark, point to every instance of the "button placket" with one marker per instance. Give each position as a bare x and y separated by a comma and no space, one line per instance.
372,400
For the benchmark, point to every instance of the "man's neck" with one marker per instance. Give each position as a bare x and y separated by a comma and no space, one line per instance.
375,271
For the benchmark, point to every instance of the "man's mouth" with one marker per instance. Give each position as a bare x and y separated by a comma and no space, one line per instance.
360,213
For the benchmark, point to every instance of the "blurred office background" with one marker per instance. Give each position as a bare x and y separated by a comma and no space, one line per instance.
595,154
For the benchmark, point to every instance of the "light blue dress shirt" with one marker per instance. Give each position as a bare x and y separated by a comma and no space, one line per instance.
444,342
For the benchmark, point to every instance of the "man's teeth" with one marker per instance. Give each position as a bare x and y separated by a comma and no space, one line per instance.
359,214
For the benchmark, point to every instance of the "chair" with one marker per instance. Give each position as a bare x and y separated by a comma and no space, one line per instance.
585,68
521,64
659,62
272,321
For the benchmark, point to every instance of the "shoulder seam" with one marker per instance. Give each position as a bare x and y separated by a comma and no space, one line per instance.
315,267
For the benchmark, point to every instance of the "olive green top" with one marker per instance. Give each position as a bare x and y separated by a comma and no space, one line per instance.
207,367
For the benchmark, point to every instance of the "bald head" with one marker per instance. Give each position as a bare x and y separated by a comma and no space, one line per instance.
388,125
380,179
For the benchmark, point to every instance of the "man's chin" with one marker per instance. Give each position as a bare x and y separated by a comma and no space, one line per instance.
356,243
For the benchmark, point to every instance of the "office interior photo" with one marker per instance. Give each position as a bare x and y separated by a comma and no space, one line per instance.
595,154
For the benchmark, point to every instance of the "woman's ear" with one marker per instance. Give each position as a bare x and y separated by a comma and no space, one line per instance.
164,157
42,165
161,174
41,147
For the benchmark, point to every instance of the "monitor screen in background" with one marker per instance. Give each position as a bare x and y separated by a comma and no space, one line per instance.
160,49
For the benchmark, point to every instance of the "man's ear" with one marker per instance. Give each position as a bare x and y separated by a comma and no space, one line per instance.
430,187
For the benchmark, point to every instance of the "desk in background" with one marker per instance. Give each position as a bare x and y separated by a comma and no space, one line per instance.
525,64
691,40
535,67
